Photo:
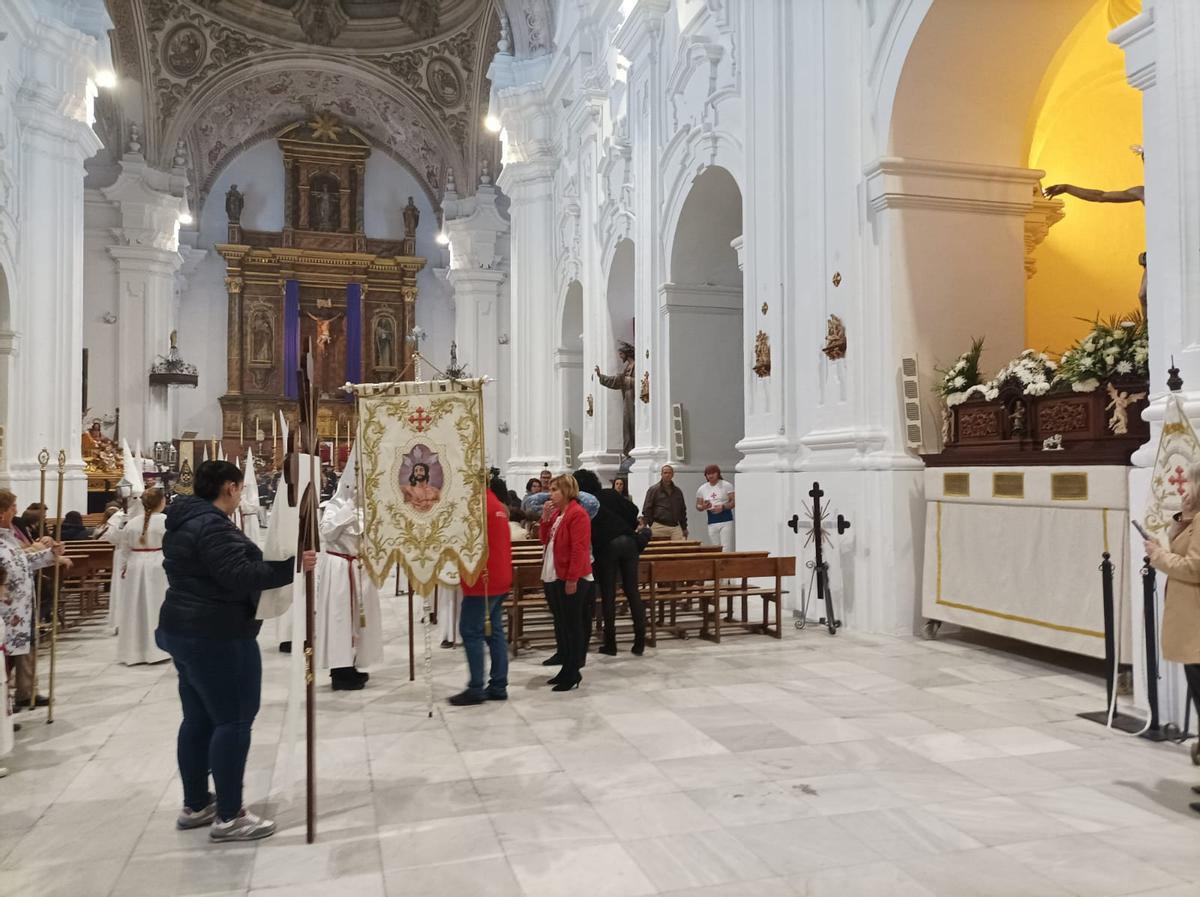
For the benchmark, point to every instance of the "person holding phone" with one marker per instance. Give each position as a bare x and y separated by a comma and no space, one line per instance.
1181,603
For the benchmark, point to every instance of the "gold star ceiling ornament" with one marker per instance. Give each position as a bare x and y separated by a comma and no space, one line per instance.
325,127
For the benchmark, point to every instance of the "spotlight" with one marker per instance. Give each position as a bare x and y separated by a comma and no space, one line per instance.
106,79
442,239
492,123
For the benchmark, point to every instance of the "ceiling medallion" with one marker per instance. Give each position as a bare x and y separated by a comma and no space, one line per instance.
184,50
325,127
443,81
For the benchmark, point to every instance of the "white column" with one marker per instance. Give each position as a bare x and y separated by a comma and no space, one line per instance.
1160,60
639,40
148,258
44,408
528,179
477,271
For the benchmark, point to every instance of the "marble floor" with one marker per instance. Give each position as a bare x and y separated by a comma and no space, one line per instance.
815,766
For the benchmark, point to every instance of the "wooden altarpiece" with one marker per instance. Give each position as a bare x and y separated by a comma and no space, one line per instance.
320,278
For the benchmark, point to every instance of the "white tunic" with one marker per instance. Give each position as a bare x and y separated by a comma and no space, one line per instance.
112,535
144,586
349,621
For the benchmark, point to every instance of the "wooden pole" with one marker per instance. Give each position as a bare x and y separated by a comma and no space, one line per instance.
58,514
43,462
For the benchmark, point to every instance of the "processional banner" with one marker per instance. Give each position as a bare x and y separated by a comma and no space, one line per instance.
423,479
1178,449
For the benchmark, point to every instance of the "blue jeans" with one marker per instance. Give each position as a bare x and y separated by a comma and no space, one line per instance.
220,682
470,626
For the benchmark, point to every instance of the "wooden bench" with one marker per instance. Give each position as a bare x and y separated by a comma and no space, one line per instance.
706,582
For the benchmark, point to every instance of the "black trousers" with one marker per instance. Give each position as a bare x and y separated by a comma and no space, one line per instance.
572,623
620,559
1191,672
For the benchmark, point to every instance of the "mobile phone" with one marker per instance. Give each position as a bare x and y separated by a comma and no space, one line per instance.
1142,530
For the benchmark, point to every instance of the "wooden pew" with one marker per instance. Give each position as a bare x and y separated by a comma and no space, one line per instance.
708,581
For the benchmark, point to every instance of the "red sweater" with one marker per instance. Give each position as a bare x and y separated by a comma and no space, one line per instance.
497,580
572,543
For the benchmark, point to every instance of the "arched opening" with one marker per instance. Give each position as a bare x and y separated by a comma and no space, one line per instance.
621,329
702,315
959,205
568,374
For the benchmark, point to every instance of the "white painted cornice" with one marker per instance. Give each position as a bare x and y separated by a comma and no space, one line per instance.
710,297
148,204
1136,39
893,183
640,31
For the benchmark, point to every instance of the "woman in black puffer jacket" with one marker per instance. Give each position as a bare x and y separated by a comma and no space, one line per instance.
215,576
615,549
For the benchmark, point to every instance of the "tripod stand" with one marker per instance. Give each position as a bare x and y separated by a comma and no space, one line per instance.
818,565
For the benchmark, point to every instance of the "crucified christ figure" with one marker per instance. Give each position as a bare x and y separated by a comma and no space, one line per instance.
1129,194
324,345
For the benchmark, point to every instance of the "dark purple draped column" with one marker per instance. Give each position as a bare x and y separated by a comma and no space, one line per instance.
291,338
354,332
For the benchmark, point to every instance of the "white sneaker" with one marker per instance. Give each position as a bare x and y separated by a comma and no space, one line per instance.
246,827
189,818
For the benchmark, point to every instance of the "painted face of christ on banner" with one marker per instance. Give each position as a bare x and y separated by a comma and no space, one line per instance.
421,478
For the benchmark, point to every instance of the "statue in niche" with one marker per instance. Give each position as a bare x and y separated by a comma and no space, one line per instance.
323,209
762,354
234,202
412,217
1129,194
835,339
626,382
385,344
261,339
324,332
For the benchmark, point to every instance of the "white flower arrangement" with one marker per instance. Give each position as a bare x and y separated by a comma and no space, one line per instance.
961,380
1118,347
1032,370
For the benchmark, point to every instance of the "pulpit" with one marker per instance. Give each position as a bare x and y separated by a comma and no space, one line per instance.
319,282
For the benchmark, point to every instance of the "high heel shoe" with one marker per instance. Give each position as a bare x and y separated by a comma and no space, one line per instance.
557,679
567,686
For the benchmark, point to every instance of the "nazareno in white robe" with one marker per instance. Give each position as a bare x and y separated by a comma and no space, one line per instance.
349,621
143,589
116,589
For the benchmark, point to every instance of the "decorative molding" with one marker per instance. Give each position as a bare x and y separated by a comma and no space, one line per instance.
1042,215
898,183
1136,39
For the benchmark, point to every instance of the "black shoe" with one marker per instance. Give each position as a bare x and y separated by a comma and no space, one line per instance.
497,695
639,647
557,679
1196,789
447,644
359,674
610,650
574,683
348,685
465,699
1195,806
346,679
552,661
285,647
16,727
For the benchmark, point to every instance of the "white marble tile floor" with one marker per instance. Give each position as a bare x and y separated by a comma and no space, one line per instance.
807,767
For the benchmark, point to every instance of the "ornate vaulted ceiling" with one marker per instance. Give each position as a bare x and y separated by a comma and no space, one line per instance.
220,75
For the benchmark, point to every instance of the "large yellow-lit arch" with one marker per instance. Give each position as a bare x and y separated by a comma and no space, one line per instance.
1080,128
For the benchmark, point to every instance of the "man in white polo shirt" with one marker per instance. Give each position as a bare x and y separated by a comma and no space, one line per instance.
715,496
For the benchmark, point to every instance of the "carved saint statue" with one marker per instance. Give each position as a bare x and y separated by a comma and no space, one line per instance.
323,208
234,201
412,217
1119,406
260,339
626,382
385,344
1129,194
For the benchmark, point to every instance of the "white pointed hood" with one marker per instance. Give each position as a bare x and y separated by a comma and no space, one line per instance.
250,481
347,487
130,470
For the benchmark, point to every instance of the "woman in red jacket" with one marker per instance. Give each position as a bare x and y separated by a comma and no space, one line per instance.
566,531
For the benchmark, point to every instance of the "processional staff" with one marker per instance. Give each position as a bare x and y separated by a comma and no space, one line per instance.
58,515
